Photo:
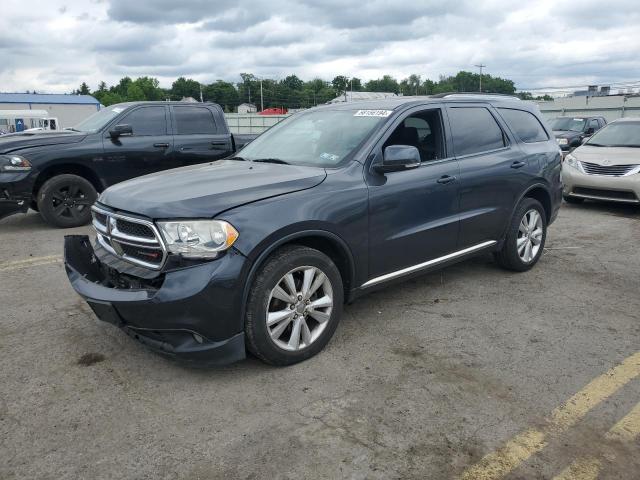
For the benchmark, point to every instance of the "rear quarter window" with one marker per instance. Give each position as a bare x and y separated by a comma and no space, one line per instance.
474,130
525,125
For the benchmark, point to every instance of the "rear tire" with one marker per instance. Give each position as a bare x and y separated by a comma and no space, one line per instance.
286,325
64,201
574,200
526,235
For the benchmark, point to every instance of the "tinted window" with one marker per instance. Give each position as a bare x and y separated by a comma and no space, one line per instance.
192,120
421,130
594,124
525,125
474,130
147,121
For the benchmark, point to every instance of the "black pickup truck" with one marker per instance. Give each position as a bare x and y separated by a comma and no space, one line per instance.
60,175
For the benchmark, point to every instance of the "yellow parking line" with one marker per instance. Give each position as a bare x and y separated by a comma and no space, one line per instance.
517,450
30,262
586,468
628,428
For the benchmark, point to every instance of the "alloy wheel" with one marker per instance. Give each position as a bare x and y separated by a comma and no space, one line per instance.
299,308
70,201
530,233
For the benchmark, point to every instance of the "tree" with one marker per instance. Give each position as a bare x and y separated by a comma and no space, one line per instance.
82,90
339,84
385,84
185,87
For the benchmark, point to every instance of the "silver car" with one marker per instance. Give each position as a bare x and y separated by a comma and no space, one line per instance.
606,166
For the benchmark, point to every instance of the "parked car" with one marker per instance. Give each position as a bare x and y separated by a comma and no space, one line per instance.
607,166
61,174
260,251
571,131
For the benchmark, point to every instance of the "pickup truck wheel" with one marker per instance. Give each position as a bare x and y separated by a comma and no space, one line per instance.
526,236
294,306
65,201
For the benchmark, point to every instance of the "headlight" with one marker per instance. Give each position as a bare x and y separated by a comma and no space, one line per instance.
14,163
573,162
562,141
198,238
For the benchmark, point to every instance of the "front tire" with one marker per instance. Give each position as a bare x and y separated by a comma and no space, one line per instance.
64,201
294,306
526,236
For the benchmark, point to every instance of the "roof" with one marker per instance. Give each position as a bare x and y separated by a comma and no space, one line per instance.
392,103
361,96
47,98
248,105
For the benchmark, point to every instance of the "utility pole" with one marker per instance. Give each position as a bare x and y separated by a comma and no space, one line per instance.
480,66
261,97
201,100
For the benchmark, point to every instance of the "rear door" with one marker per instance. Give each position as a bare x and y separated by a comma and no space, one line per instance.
493,172
148,149
198,136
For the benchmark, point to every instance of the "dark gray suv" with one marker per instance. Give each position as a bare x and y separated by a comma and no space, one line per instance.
259,252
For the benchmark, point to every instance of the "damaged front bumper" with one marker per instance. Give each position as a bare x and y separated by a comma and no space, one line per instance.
15,193
192,314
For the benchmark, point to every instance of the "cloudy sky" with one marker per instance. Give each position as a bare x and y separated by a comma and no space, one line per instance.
52,46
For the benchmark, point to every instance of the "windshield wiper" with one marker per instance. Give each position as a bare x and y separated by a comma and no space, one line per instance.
73,129
596,144
272,160
242,159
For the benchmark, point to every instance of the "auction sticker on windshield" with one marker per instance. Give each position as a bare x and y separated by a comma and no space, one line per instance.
373,113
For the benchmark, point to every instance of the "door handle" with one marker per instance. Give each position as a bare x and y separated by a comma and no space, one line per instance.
161,145
184,149
518,164
219,144
446,179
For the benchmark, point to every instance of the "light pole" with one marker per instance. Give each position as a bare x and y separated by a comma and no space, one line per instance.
261,97
480,66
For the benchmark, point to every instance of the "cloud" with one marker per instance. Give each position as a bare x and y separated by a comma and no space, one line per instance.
50,47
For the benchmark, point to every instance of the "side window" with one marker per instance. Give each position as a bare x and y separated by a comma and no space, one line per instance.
474,130
525,125
147,121
593,123
194,120
422,130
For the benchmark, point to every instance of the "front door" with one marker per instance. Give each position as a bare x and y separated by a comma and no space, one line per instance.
413,214
148,149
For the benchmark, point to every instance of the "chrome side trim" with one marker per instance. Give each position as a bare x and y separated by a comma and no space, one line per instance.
420,266
608,199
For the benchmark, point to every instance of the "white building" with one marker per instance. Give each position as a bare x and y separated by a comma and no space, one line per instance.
247,108
68,109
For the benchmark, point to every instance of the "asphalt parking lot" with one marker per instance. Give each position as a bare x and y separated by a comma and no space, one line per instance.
471,371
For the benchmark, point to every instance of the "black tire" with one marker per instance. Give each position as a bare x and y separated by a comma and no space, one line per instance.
34,206
508,256
574,200
64,201
259,341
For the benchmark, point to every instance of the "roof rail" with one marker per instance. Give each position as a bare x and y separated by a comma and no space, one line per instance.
473,94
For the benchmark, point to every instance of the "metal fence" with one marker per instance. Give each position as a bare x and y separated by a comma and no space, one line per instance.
610,107
251,122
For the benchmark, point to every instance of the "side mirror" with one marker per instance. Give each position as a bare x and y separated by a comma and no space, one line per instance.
119,130
398,157
589,131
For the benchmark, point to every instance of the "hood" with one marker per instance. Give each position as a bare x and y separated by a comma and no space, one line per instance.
204,191
16,141
608,155
566,134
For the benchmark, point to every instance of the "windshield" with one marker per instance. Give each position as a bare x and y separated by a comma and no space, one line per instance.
617,134
99,119
320,138
568,123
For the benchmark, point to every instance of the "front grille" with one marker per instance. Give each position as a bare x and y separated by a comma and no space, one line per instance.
610,170
135,229
605,194
132,239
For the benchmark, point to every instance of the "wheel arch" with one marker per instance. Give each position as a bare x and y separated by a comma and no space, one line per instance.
67,169
326,242
540,193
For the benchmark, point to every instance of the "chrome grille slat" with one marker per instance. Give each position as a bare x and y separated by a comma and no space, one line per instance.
141,249
609,170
